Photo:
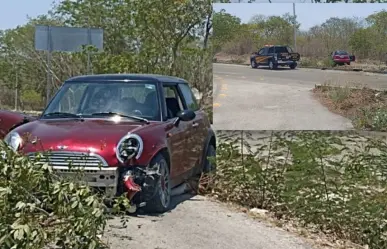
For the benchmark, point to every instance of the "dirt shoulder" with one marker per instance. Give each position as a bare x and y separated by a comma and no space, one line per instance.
366,108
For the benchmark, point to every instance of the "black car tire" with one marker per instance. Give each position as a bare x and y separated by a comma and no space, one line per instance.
253,64
272,65
293,66
349,63
209,167
162,199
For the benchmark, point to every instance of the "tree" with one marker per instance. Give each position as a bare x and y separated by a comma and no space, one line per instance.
139,37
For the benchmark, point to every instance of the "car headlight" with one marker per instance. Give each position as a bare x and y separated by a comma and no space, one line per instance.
13,140
130,146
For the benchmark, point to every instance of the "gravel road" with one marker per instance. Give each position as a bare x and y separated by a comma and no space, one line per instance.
197,222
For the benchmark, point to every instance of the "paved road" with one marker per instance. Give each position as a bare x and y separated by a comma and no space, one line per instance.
261,99
197,222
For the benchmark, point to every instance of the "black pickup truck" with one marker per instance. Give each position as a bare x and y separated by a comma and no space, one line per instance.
274,56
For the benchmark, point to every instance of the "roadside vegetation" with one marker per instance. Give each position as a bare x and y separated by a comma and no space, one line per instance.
234,41
169,37
38,209
325,182
367,108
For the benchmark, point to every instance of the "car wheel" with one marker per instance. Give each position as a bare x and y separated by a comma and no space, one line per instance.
161,201
253,64
293,66
272,65
349,63
208,165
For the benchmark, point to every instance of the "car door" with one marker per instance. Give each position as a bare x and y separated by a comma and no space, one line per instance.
260,56
177,135
197,128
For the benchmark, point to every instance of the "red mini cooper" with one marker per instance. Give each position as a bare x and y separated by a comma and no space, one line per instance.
131,133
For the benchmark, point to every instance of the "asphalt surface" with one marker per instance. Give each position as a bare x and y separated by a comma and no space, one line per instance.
196,222
262,99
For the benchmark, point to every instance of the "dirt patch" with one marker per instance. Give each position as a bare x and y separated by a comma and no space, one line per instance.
367,108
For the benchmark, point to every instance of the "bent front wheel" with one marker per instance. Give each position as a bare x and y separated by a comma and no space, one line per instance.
161,200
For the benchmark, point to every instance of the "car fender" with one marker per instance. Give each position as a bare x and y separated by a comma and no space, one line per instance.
156,145
9,120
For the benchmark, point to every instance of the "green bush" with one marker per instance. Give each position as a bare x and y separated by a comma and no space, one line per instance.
37,208
335,182
31,100
372,118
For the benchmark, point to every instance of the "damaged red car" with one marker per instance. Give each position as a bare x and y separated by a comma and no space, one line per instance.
131,133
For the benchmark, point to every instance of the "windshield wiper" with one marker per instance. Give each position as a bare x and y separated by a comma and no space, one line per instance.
121,115
62,114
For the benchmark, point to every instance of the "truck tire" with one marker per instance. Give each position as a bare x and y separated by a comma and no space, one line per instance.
253,64
272,65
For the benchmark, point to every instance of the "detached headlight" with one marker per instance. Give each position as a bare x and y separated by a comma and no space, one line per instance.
13,140
130,146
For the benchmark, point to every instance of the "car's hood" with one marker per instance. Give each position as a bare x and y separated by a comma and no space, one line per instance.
74,135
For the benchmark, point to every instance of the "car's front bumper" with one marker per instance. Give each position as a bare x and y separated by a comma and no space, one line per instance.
342,60
102,178
285,62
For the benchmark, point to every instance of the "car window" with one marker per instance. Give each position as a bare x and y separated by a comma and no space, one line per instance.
89,98
71,98
189,97
341,52
271,50
260,52
281,50
290,50
172,100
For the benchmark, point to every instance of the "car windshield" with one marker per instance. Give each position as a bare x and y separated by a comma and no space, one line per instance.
104,99
340,52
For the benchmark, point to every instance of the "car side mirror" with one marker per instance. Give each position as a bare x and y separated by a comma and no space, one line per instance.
185,115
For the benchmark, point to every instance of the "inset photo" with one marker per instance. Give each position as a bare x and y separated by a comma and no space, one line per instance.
328,186
294,66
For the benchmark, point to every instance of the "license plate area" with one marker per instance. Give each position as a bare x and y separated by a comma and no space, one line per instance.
106,179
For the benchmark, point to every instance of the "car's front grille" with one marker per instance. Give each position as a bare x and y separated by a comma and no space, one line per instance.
72,159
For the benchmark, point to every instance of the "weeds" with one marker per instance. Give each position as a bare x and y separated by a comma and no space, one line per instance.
40,209
335,182
367,108
340,94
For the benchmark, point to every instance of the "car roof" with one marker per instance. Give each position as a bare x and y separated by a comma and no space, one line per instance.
125,77
269,46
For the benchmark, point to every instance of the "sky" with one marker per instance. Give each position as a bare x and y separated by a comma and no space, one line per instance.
308,14
15,12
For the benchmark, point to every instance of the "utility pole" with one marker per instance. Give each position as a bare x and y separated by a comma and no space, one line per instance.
16,90
294,27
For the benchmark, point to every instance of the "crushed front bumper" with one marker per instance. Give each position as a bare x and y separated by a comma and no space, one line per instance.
102,178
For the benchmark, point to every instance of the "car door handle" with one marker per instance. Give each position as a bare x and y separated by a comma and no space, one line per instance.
195,124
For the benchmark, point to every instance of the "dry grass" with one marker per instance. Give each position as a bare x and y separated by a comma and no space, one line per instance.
367,108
